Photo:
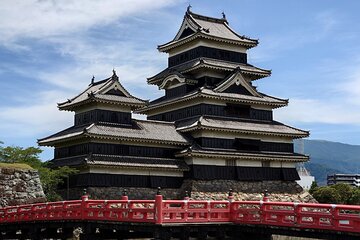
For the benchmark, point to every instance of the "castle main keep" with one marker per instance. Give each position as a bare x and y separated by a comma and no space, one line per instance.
211,131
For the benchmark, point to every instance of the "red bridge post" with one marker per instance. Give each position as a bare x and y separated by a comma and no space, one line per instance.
266,196
231,206
263,207
186,197
158,207
124,195
84,205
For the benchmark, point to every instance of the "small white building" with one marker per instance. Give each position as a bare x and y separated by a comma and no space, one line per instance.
305,178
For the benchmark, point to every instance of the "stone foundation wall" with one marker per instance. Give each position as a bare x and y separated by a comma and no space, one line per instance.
20,186
245,191
204,190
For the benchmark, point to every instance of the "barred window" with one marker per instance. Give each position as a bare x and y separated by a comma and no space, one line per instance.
265,163
230,162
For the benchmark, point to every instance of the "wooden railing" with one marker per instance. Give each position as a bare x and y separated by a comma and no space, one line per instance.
345,218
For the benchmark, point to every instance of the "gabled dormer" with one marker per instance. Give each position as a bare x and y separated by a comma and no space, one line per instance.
236,83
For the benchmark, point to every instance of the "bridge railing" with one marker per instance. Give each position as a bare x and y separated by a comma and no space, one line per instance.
159,211
301,215
85,209
184,211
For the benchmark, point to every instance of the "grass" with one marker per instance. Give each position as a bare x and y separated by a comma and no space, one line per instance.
15,165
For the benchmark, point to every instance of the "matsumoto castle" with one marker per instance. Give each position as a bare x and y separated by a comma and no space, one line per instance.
211,131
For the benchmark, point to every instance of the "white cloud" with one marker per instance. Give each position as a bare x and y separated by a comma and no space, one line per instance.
66,27
322,25
132,64
35,119
43,18
352,88
318,111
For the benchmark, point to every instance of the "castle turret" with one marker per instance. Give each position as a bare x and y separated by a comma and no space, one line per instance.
110,149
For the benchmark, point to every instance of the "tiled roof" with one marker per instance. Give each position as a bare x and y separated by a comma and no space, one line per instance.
196,150
208,27
69,133
97,92
147,130
142,131
209,93
255,72
242,126
123,162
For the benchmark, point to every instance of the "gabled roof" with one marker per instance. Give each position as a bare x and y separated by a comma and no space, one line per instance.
206,93
236,79
197,151
175,78
109,90
198,26
241,126
141,131
253,72
116,161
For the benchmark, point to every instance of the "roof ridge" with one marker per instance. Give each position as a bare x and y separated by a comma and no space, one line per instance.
270,96
154,121
235,119
89,86
222,20
206,18
78,95
235,63
297,129
99,82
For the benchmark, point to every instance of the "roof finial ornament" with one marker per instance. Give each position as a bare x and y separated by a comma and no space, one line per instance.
223,15
188,8
92,79
114,76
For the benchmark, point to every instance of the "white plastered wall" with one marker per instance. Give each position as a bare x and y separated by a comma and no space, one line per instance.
129,171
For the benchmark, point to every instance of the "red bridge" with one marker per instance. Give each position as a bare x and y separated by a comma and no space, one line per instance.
164,219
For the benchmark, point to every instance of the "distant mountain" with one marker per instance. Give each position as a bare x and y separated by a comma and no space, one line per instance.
330,157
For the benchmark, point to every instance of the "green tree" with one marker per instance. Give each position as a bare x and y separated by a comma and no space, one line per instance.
50,177
327,195
14,154
313,187
355,197
345,192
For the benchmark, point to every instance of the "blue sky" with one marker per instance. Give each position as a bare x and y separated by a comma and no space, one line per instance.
49,51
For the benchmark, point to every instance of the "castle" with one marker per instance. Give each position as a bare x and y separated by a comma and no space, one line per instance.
213,130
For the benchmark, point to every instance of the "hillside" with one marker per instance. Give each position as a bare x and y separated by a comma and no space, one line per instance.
330,157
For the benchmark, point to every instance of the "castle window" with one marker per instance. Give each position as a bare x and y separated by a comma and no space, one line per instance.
233,110
247,144
265,163
230,162
114,118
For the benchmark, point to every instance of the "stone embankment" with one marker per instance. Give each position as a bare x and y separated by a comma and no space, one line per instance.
19,186
279,191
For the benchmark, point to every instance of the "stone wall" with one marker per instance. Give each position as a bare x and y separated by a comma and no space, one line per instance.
205,190
20,186
284,191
